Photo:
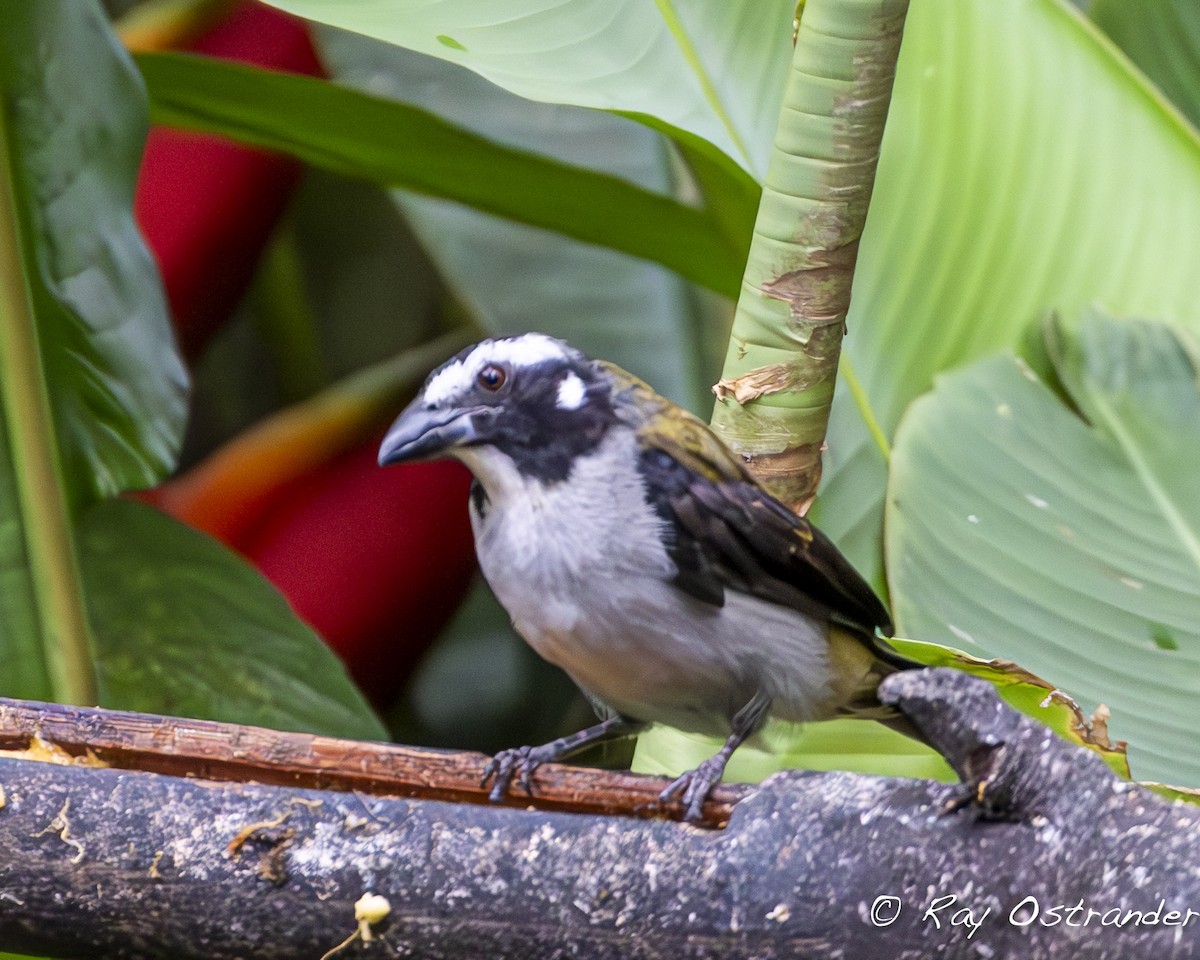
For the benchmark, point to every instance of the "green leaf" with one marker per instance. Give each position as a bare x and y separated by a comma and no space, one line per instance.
1016,529
91,387
515,278
1026,692
187,628
75,124
1174,793
709,67
726,191
858,745
1163,38
1025,168
25,669
400,145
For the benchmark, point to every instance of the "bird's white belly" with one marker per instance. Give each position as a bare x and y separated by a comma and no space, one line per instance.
654,653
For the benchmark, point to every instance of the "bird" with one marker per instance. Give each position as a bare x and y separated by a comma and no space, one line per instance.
634,550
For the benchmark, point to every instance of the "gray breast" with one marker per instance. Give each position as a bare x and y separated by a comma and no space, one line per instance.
581,568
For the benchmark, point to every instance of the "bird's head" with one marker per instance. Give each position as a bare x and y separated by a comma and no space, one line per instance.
530,404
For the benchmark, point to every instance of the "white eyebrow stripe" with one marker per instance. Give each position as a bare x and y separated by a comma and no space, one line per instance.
524,351
447,382
571,392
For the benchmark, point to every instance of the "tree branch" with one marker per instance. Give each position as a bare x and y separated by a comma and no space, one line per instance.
240,754
119,863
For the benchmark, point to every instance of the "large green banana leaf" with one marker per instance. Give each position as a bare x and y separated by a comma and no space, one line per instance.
1065,539
515,277
709,67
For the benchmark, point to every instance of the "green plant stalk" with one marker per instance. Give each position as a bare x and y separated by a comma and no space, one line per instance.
781,366
286,321
46,525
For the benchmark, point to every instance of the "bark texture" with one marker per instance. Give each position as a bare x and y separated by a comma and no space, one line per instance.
105,862
777,382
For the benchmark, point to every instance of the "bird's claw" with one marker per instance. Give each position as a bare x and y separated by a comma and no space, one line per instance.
516,763
693,788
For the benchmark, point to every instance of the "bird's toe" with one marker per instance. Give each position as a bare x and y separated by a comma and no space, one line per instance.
692,789
518,764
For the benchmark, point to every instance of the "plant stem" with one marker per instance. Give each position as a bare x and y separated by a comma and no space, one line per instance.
286,320
864,408
779,374
45,522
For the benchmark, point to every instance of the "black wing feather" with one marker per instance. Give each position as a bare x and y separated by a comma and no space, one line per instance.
726,531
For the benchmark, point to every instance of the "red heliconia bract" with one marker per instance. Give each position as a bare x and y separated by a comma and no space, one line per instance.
376,560
208,206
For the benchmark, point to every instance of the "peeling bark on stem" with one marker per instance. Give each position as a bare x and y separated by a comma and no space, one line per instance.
777,384
113,863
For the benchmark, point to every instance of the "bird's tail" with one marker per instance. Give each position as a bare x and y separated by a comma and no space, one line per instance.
861,663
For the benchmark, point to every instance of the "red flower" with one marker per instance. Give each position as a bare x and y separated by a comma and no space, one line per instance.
376,560
208,206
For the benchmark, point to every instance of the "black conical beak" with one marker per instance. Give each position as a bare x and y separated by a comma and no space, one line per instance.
420,433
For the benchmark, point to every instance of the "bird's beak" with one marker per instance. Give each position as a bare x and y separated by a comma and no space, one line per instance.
423,434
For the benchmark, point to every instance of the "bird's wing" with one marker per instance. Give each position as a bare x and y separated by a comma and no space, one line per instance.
726,532
730,533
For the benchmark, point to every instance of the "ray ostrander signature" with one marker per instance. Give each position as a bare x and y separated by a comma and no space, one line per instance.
951,912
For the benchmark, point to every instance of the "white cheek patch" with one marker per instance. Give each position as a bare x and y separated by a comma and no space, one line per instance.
524,351
571,392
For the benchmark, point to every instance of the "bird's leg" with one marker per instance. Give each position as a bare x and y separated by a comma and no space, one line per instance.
693,787
520,762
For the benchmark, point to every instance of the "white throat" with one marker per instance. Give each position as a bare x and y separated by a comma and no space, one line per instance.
595,522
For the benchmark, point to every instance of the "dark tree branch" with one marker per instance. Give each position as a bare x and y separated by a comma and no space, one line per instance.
118,863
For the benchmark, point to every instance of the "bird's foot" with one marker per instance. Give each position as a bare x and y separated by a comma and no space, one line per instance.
516,763
520,762
693,787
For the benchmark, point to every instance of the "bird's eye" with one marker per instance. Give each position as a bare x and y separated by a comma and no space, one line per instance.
491,377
